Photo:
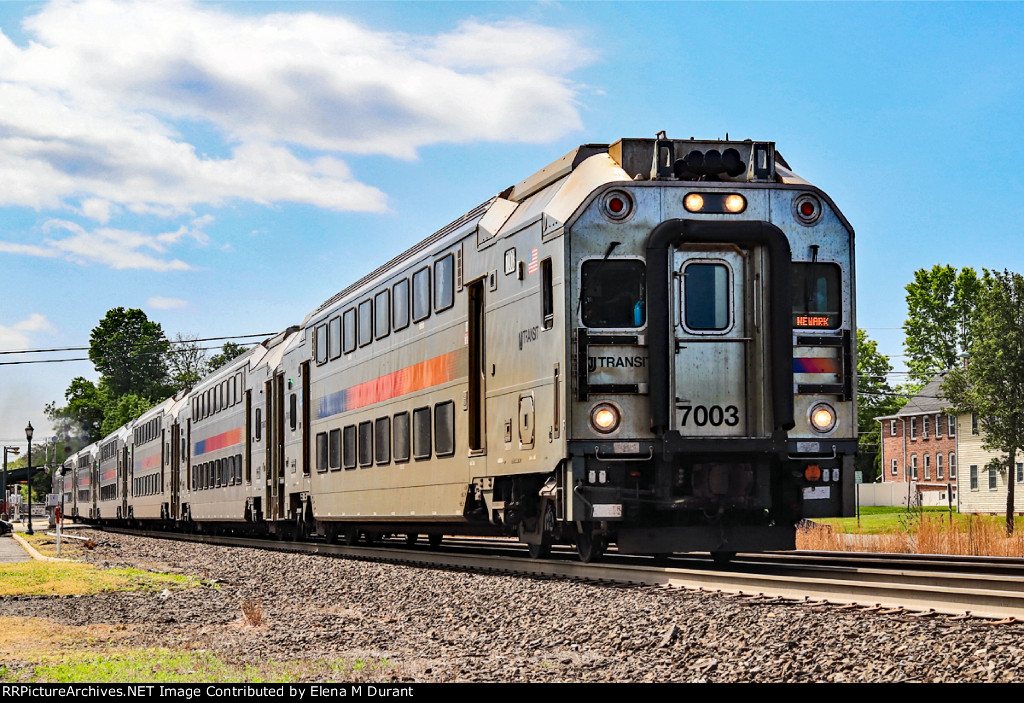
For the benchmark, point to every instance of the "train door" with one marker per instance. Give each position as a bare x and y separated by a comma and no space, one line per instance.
719,304
275,447
122,473
175,471
477,370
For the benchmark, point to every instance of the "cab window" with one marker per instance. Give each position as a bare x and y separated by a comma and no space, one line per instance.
614,293
817,296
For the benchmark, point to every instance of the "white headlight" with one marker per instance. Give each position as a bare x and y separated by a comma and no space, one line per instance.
823,417
605,417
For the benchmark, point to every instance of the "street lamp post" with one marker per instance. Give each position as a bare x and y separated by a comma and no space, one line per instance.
28,436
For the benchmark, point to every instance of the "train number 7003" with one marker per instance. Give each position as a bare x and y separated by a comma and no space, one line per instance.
714,415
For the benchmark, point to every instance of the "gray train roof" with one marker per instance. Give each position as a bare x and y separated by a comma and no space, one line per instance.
624,160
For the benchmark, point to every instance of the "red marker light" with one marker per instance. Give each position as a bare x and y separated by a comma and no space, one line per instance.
806,208
616,205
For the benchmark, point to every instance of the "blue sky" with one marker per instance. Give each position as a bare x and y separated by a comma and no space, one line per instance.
228,166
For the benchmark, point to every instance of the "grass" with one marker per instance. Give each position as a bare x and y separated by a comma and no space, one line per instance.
47,544
49,578
41,651
930,531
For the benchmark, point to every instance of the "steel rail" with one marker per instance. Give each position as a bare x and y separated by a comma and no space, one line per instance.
947,592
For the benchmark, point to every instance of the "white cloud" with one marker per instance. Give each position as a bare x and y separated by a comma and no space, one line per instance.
19,335
118,249
160,303
97,107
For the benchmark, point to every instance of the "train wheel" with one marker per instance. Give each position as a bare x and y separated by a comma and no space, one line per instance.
434,540
410,539
722,558
331,533
589,546
351,536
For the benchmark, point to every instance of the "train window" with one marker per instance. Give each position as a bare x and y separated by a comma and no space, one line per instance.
321,452
382,308
259,424
817,299
232,471
706,297
444,283
334,451
366,443
421,295
365,322
614,292
349,447
334,337
400,315
238,466
236,382
382,440
350,330
320,344
293,411
421,433
547,295
444,428
401,429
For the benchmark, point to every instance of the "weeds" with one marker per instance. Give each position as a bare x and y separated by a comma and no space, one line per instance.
252,611
919,533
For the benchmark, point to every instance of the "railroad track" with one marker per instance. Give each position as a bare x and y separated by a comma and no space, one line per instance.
978,587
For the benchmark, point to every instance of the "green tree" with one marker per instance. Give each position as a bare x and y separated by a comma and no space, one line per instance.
875,398
82,417
122,410
940,303
186,362
229,351
992,385
129,351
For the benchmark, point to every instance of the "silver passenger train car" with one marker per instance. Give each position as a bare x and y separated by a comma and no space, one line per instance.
648,343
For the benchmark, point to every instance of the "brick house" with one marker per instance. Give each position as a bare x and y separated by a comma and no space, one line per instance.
919,444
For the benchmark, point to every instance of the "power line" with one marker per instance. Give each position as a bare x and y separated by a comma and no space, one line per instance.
169,341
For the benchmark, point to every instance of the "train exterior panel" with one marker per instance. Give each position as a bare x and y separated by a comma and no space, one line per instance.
648,343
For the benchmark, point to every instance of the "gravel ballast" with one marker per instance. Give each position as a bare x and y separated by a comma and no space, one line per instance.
437,625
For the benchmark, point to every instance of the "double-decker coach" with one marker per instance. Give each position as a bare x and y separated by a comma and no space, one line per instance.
647,343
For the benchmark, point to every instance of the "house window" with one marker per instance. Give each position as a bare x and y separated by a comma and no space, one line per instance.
992,484
952,426
952,466
913,466
913,428
1020,472
927,467
938,465
974,477
938,427
892,428
894,468
974,423
924,427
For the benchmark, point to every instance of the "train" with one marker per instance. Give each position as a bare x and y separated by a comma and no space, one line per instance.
648,344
